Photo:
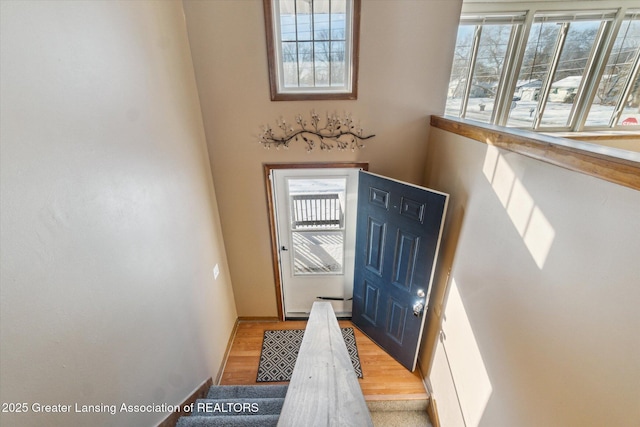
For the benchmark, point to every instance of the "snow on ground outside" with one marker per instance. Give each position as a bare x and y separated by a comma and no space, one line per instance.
522,114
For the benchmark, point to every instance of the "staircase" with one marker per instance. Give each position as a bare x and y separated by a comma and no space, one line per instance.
323,391
237,405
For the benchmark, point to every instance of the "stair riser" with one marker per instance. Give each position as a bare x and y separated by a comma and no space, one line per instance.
239,421
247,392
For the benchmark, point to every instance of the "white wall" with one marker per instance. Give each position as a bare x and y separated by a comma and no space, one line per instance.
542,317
405,60
110,226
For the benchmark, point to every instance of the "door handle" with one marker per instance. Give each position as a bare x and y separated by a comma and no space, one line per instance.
284,248
417,308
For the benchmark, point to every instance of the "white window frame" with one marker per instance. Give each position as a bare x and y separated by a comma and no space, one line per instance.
516,19
279,92
611,12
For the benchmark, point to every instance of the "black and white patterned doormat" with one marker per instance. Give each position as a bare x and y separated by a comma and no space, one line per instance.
280,349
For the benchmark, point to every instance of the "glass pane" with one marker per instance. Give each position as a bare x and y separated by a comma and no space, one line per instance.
616,74
317,224
290,64
631,113
338,19
460,69
322,58
305,64
568,76
287,20
321,19
490,58
338,66
303,20
537,59
318,252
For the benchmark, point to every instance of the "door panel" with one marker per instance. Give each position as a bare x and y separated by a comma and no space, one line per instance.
397,238
375,245
405,259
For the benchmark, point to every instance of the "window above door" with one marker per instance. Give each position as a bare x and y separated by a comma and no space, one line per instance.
312,48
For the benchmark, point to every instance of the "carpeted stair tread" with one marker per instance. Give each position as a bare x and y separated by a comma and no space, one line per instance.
229,421
400,419
396,405
246,391
238,406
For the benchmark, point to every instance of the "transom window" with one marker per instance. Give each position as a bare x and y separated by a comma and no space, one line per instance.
312,47
548,71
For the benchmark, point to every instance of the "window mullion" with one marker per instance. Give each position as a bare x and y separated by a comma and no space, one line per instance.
604,47
507,82
472,65
330,46
295,20
313,41
546,87
627,90
590,79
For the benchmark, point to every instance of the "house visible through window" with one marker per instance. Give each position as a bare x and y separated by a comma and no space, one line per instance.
312,46
548,71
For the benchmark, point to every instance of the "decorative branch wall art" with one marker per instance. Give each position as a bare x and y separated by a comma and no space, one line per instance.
338,132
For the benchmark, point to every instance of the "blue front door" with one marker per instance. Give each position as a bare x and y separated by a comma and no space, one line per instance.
397,239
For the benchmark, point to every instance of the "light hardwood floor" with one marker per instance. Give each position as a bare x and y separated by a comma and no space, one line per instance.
383,377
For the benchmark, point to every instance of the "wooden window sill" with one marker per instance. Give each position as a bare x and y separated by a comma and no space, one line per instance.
611,164
598,136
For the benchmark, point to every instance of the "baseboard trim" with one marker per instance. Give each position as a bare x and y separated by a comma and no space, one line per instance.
227,351
432,411
258,319
198,393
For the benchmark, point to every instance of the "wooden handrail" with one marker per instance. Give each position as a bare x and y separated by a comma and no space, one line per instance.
611,164
324,389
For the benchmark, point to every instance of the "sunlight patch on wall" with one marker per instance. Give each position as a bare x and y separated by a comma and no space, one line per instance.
465,360
539,237
536,231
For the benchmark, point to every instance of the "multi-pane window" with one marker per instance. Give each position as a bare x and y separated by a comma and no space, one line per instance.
311,46
536,63
610,106
480,54
558,70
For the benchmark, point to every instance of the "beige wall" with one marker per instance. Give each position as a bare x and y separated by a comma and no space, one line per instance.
405,60
109,219
542,319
